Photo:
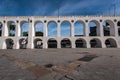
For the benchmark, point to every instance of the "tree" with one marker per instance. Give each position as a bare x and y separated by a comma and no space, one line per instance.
39,33
25,33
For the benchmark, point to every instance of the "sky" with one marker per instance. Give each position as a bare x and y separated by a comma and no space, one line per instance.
61,7
51,7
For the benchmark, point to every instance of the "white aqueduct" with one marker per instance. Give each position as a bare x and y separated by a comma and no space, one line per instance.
101,39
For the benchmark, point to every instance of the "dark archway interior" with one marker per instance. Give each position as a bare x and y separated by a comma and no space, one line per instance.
23,43
110,43
95,43
1,25
9,43
65,43
38,44
118,24
52,44
80,44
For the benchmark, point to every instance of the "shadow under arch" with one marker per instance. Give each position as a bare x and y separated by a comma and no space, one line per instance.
23,43
110,43
95,43
9,43
52,43
38,44
66,43
80,43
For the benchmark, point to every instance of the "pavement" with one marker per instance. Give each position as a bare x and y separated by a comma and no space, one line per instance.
60,64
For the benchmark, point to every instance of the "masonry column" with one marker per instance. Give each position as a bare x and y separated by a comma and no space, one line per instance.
45,35
103,44
101,29
73,43
88,43
72,29
17,29
5,29
58,30
17,35
58,43
116,29
86,29
30,33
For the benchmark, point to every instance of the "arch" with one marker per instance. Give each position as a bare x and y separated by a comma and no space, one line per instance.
108,28
79,28
39,28
110,43
94,28
38,44
24,28
95,43
66,43
80,43
52,43
9,43
11,28
52,28
23,43
65,28
1,26
118,24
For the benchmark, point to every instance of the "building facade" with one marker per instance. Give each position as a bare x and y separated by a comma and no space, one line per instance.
100,40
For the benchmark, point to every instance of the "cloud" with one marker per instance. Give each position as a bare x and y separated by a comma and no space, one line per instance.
84,7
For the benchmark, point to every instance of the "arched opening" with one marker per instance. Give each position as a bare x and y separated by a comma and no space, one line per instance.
9,43
1,26
65,29
95,43
110,43
52,28
118,24
11,28
23,43
24,28
39,29
108,28
94,28
38,44
65,43
79,29
80,43
52,43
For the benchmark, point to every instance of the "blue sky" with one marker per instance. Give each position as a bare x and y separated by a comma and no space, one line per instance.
50,7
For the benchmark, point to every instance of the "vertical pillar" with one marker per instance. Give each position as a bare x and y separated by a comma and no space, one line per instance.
5,29
103,44
101,30
45,35
73,43
45,46
58,43
30,34
45,29
18,27
58,30
72,29
86,29
88,43
116,29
